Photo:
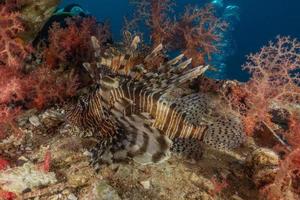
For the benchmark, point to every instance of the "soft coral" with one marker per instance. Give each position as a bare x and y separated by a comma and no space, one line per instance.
12,49
72,44
21,88
196,33
12,54
274,80
287,180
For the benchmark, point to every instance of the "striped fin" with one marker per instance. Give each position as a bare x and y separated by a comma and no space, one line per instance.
170,80
121,63
146,144
154,53
96,46
90,115
186,76
134,44
175,60
134,140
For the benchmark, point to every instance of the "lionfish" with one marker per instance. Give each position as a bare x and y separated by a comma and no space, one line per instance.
145,115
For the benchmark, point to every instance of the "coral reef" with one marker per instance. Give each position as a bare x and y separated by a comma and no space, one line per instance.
286,183
274,78
268,104
27,176
42,83
71,45
196,33
34,15
135,104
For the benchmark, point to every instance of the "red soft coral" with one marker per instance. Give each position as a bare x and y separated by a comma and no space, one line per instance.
6,195
293,133
155,13
49,86
12,49
196,33
10,85
274,78
72,45
21,88
3,164
287,181
12,54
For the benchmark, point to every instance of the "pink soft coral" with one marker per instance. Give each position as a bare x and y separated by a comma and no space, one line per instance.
22,88
12,49
287,181
275,78
12,54
72,45
49,86
195,34
293,133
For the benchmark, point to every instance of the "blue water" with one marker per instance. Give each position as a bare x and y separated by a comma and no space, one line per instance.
258,22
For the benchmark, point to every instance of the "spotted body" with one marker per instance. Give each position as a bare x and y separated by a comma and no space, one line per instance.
151,109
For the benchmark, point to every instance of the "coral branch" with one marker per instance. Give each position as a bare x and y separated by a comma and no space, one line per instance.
12,49
274,78
196,33
72,44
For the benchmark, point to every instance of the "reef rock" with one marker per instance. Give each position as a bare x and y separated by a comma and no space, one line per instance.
262,165
25,177
104,191
35,14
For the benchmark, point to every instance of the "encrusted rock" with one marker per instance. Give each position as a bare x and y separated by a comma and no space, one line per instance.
262,166
25,177
35,121
202,182
35,14
52,117
77,178
199,195
72,197
261,158
264,176
102,190
146,184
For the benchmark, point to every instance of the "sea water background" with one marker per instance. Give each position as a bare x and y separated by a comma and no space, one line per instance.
259,21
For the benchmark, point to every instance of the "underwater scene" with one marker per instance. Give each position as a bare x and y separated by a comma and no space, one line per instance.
149,100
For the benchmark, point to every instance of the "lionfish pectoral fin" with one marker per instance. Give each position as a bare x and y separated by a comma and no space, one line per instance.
93,72
123,106
142,143
187,75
